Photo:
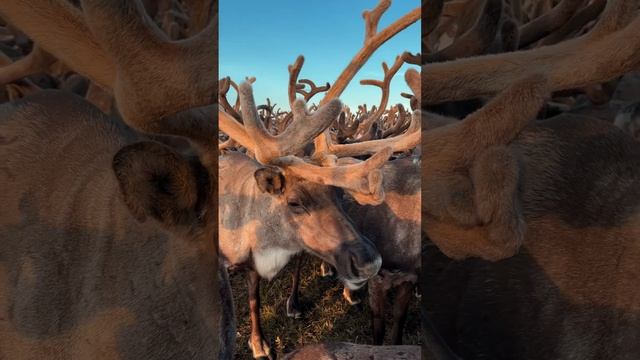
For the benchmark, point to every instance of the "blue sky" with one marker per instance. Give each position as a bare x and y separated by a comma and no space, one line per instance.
261,38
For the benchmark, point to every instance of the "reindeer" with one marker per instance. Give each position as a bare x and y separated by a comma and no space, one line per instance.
550,206
305,213
108,241
393,226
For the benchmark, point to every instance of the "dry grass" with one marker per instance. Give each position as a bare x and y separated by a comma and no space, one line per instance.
326,315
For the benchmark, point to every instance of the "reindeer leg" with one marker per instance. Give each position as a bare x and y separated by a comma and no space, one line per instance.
258,345
377,299
400,305
293,303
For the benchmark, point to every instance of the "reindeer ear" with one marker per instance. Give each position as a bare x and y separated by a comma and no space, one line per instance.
156,181
270,180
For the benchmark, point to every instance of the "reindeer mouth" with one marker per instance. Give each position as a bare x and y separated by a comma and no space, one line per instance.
354,285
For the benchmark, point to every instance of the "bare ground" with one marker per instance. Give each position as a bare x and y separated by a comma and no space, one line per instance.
327,317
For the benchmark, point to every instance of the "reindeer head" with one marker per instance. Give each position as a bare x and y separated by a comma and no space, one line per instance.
297,195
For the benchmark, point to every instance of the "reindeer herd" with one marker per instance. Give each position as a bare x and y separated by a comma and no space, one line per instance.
506,191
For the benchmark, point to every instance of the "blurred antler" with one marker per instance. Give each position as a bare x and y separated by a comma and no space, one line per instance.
373,40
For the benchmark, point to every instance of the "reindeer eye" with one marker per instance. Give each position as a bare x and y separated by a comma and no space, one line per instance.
296,207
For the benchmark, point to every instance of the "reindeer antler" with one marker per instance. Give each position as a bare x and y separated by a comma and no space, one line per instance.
373,40
37,61
303,129
403,142
591,58
550,21
478,38
94,42
225,85
384,85
313,89
281,149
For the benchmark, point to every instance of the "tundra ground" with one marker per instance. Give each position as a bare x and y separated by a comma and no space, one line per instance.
327,316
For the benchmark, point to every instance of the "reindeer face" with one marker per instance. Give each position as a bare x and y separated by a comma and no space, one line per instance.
312,219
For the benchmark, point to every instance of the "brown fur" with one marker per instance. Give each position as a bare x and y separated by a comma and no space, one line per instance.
567,293
394,228
78,268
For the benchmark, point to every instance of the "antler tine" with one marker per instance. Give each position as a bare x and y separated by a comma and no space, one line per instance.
432,11
183,64
616,15
406,141
295,137
293,87
477,39
577,22
371,18
364,177
373,42
367,50
517,105
384,86
594,57
413,59
235,130
37,61
313,89
344,129
294,72
405,117
200,13
509,36
412,77
228,144
397,127
72,42
497,123
296,86
225,85
545,24
18,90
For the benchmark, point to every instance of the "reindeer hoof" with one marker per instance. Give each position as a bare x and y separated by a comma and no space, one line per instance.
261,349
349,296
293,309
326,270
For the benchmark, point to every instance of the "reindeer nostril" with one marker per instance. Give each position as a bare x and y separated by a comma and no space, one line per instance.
372,267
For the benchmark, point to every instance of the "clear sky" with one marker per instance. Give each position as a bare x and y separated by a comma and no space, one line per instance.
261,38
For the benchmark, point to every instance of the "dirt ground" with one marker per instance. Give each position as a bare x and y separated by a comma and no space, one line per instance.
326,317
